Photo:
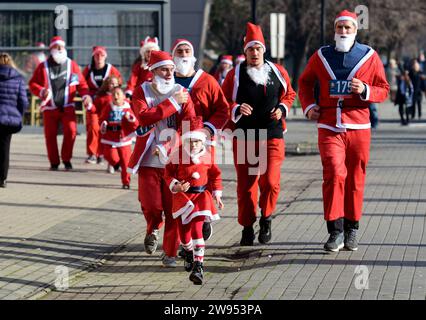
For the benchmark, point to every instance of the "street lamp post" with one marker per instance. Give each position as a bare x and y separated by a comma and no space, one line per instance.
253,11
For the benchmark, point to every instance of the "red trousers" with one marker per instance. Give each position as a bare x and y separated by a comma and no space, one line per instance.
93,145
51,119
155,198
267,181
191,236
121,156
344,158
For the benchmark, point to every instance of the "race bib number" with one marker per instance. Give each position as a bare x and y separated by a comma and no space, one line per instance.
340,88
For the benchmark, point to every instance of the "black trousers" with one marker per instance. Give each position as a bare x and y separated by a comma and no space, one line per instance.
404,113
417,103
4,154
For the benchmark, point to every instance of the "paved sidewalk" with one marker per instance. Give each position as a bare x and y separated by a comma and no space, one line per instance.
84,221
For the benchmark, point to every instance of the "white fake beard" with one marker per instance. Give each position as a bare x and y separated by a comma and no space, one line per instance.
259,76
41,57
59,56
184,65
344,42
164,86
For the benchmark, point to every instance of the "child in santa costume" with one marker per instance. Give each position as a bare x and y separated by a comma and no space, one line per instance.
350,77
56,81
161,106
118,125
189,173
140,70
95,74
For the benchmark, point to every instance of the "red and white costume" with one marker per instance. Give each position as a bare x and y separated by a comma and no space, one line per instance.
191,208
209,101
344,122
118,126
238,89
163,112
52,115
220,75
140,70
93,145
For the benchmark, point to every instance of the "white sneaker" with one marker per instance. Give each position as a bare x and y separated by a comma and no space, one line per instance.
169,262
110,169
91,160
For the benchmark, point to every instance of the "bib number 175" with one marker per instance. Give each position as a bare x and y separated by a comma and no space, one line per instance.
340,88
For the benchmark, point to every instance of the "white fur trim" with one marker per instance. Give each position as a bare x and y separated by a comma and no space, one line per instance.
172,184
286,110
175,104
234,118
185,211
346,18
180,43
217,193
161,63
60,42
367,97
252,43
211,126
309,108
227,61
196,175
195,135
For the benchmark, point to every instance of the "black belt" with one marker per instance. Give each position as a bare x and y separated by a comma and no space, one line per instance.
114,128
199,189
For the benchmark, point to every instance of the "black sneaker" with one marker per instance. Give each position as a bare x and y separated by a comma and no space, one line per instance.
54,167
207,230
126,186
99,160
197,273
265,233
3,184
247,236
182,252
351,243
189,260
335,242
68,166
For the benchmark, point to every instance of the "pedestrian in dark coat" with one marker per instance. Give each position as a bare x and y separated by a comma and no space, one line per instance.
13,102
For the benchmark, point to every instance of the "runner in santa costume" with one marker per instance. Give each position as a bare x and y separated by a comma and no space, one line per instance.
140,70
260,95
191,169
225,65
350,77
56,81
208,98
95,74
163,105
118,126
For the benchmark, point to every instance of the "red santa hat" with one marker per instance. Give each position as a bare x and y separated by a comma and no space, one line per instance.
99,50
160,58
150,43
196,132
226,59
141,43
179,42
346,15
40,45
241,58
253,36
56,40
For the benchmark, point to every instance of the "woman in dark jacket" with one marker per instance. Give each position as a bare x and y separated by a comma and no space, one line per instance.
13,102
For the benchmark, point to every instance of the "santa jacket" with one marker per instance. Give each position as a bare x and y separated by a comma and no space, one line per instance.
40,81
120,124
199,171
100,101
231,84
353,112
209,101
149,114
89,76
138,76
